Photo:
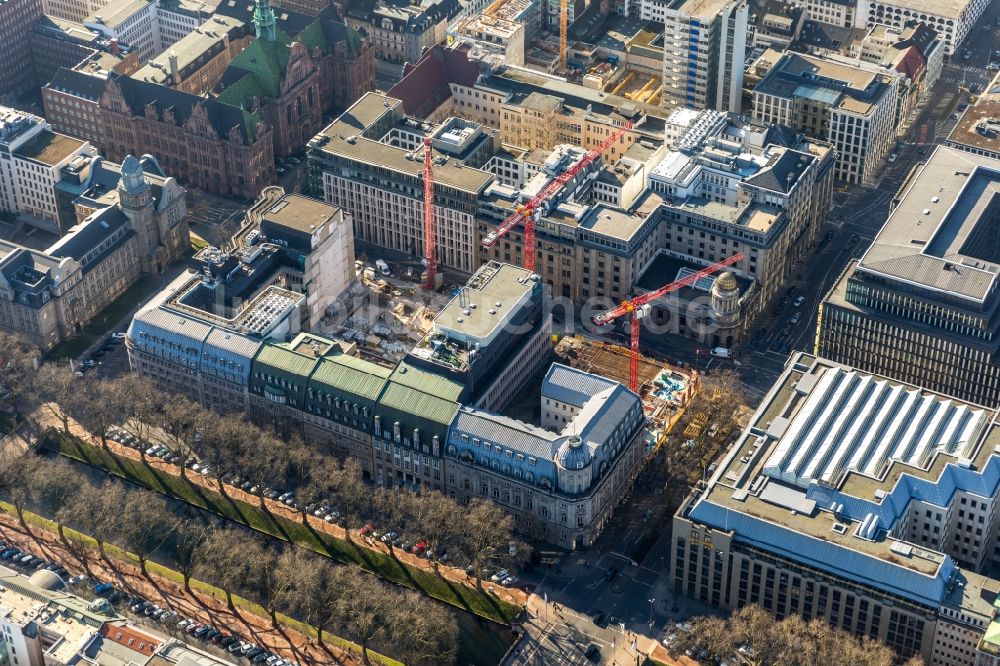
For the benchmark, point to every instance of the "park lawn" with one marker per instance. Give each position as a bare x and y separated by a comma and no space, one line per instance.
252,515
115,552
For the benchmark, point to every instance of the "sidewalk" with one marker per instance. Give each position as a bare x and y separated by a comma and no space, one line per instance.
46,418
201,606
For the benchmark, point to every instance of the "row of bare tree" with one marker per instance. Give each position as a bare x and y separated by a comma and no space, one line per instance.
752,636
339,599
478,534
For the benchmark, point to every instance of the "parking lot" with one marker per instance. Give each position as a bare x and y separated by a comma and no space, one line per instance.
108,360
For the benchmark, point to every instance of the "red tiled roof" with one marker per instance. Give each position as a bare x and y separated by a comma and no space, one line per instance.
425,84
130,638
910,63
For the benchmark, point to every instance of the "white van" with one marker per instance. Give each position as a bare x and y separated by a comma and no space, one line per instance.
722,352
382,267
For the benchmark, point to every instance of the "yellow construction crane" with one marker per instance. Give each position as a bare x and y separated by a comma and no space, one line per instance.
563,25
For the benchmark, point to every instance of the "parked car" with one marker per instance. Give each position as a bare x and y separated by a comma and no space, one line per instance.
499,576
118,335
103,588
593,653
799,301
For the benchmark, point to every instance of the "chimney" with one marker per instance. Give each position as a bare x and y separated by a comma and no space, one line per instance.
114,47
175,72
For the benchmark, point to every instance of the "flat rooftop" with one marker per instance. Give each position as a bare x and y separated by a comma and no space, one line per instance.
189,50
117,12
300,213
49,148
849,421
979,127
343,137
699,8
946,8
829,462
474,312
934,236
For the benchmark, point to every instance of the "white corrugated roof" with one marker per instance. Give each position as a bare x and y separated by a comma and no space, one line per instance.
853,421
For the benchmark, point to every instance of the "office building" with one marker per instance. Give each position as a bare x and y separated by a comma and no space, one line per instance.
196,62
16,19
561,481
32,158
837,13
131,22
411,426
530,109
491,338
59,43
132,221
704,48
953,20
72,97
292,258
857,499
42,623
851,107
400,33
919,306
372,141
978,128
731,186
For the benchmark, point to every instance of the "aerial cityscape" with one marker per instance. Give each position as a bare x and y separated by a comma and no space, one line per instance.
499,332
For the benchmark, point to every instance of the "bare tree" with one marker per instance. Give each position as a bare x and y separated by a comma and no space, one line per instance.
18,470
365,611
145,524
752,636
189,547
60,393
487,534
54,486
18,358
226,560
423,633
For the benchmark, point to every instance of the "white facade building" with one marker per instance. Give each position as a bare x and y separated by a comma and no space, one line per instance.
953,19
31,159
704,48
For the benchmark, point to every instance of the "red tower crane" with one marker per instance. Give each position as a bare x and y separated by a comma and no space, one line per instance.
526,213
638,307
430,230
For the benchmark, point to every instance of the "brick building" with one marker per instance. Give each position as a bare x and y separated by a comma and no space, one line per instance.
269,102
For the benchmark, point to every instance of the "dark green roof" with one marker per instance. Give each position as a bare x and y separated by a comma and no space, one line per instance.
350,375
283,359
426,382
266,62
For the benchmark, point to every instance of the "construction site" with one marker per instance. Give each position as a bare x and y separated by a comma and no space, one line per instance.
665,390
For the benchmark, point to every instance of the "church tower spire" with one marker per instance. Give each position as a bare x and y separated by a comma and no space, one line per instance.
263,20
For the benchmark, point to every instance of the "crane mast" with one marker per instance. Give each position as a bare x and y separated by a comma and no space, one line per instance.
430,231
639,307
525,214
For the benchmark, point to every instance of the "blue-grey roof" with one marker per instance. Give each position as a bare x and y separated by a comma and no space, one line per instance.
507,432
984,483
610,415
572,386
574,454
193,343
828,556
81,244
